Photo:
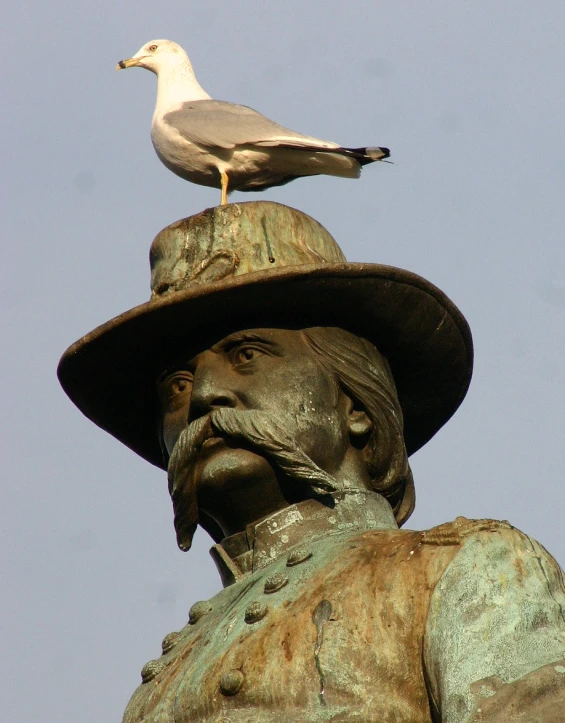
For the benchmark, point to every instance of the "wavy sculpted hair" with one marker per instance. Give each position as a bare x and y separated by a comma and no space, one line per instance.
365,376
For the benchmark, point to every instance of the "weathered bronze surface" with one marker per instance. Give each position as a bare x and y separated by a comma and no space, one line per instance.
110,373
283,390
377,625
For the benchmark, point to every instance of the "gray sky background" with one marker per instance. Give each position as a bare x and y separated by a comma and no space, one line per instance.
469,97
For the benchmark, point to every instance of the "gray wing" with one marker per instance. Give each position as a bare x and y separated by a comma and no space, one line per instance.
216,123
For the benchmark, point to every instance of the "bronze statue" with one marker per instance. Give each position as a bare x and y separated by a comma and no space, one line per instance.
283,389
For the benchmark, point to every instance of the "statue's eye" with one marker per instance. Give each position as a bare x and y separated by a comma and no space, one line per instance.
245,354
178,386
152,48
175,391
178,383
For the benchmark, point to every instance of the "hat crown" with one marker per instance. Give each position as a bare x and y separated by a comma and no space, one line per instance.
237,239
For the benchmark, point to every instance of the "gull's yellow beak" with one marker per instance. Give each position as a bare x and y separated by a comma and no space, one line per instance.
129,63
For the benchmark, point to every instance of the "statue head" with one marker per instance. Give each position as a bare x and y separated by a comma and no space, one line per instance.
269,417
266,369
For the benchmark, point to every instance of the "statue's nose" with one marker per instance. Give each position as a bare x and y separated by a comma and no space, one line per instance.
210,389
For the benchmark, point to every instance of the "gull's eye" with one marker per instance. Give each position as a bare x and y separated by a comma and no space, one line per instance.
152,48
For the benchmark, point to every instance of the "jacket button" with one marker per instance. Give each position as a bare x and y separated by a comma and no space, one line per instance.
230,683
198,610
298,556
275,582
169,642
255,611
151,669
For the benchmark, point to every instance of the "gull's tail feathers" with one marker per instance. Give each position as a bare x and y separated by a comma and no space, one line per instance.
361,155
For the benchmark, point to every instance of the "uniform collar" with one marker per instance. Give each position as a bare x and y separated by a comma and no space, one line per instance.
297,525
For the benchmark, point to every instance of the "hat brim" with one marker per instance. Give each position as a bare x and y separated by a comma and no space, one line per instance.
111,373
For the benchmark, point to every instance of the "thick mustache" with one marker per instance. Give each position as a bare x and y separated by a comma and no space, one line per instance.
186,449
252,427
182,485
263,432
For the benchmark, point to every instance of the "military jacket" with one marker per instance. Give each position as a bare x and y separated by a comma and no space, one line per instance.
334,614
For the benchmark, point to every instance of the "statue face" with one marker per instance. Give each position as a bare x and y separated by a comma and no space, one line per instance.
276,373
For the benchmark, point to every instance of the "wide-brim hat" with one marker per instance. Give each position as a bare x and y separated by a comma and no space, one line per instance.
261,264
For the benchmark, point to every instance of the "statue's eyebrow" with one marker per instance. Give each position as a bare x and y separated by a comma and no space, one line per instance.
180,367
240,337
229,342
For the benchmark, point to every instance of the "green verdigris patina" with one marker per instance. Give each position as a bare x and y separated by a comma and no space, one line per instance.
496,616
413,633
292,387
235,240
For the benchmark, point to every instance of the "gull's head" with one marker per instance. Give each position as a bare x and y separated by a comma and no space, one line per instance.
157,56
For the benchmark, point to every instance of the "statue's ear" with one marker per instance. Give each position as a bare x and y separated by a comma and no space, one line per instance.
358,422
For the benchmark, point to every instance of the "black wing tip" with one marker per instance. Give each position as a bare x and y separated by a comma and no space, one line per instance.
376,154
368,155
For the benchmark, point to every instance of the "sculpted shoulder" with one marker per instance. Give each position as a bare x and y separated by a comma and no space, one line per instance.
497,616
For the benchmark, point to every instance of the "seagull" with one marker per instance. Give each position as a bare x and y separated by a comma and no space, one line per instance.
229,146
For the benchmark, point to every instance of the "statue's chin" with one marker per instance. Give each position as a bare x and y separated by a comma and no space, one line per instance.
236,487
224,469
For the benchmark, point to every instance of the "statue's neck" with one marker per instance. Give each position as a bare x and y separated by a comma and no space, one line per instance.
298,525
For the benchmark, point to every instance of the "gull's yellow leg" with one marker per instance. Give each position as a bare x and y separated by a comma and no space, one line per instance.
224,180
